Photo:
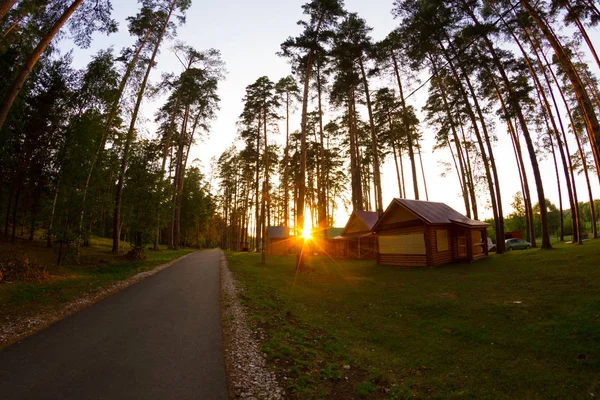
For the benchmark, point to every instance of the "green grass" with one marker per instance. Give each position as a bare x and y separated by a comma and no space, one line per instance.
66,283
523,325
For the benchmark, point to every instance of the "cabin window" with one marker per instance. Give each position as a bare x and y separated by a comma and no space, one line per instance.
478,244
402,244
441,238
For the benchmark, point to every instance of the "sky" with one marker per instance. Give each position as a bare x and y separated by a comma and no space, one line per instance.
248,34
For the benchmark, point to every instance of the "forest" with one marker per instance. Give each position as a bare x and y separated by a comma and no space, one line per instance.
73,159
76,163
491,68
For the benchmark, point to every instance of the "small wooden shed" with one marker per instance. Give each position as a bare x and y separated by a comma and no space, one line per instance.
279,241
427,234
357,240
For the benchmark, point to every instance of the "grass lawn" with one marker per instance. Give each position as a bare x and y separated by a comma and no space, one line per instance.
522,325
98,269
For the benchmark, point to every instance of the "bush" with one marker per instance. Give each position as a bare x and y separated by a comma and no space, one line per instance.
17,265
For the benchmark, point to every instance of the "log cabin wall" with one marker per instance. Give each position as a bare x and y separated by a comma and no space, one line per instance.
440,244
387,257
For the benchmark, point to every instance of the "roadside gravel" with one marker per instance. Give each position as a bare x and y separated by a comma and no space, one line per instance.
247,373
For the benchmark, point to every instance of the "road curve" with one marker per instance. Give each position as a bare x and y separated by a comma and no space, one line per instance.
158,339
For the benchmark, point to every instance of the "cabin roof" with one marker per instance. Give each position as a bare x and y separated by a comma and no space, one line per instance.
278,232
370,218
434,213
360,222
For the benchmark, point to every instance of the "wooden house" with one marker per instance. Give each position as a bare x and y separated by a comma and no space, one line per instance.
357,240
427,234
279,241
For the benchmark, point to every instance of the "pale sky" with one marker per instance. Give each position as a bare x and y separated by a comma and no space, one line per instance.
248,34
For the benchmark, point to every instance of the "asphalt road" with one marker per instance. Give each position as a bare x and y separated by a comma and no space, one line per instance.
158,339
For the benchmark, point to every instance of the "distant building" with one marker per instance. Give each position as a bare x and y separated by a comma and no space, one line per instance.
427,234
279,241
357,240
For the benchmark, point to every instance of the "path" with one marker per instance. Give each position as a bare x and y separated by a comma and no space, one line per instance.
158,339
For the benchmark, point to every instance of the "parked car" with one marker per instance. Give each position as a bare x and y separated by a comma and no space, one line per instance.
517,244
491,245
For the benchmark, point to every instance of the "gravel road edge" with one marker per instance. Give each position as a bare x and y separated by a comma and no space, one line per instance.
247,374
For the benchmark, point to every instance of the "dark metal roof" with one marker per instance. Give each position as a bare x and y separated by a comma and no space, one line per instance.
366,218
437,213
370,218
278,232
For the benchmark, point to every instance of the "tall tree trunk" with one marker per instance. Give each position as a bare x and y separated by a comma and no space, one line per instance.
109,120
570,182
568,170
588,111
168,136
321,182
173,239
52,211
400,156
8,208
257,219
461,162
495,191
586,37
286,193
357,195
18,82
265,194
130,135
409,141
5,6
480,141
374,146
460,173
395,155
469,170
422,171
303,144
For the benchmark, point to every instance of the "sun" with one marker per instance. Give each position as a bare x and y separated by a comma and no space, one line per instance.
307,231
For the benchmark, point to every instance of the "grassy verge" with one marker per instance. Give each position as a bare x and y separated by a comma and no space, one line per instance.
524,325
99,269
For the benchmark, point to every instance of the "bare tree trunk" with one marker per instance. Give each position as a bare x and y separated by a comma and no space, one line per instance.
257,219
130,135
357,195
409,141
402,172
469,171
586,37
480,141
462,173
588,111
109,120
5,6
169,134
568,170
286,194
18,82
495,188
265,194
422,171
173,237
374,146
395,160
52,211
322,203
